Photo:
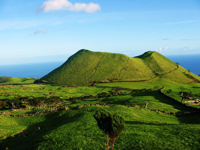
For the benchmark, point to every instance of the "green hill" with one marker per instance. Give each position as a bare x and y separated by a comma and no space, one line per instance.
158,63
86,67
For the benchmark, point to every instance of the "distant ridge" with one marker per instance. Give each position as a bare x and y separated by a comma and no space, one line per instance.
87,67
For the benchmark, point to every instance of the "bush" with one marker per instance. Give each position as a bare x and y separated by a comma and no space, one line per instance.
111,124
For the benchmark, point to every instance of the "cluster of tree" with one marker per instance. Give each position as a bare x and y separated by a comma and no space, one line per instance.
23,102
111,124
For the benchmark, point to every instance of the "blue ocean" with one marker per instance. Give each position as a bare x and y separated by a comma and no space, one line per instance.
190,62
38,70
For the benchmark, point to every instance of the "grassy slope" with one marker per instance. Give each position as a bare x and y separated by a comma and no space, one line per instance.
78,130
72,71
159,83
87,66
121,67
158,63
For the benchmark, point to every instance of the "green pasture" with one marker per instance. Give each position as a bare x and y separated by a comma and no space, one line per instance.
152,128
36,90
77,129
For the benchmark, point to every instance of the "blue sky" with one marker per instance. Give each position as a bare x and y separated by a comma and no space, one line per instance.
52,30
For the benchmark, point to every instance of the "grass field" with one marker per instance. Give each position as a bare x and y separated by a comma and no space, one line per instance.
78,130
9,80
35,90
157,127
159,83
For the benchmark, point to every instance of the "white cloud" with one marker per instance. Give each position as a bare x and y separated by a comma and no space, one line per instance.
53,5
40,32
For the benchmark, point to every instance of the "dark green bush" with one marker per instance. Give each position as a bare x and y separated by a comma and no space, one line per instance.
111,124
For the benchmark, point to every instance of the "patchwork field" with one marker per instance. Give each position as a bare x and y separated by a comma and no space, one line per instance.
166,123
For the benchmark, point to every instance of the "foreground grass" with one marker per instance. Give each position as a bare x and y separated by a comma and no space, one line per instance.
77,129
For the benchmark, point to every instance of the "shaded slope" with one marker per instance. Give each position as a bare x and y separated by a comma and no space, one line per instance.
87,67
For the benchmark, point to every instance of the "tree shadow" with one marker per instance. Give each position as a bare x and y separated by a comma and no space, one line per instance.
164,99
191,118
30,138
118,100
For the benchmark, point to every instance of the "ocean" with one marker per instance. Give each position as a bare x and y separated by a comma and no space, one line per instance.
38,70
190,62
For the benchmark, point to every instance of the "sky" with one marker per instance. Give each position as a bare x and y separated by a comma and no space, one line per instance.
33,31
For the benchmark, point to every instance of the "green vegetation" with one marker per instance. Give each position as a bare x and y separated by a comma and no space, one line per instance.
4,79
87,68
77,129
111,124
158,63
36,90
54,117
162,125
9,80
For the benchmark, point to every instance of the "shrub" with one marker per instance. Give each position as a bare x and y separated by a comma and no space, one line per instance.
111,124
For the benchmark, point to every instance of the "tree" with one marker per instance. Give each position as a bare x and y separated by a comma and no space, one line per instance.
117,127
111,124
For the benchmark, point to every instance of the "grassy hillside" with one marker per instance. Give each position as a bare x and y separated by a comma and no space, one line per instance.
87,67
165,124
158,83
158,63
78,129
